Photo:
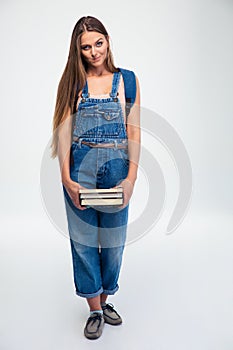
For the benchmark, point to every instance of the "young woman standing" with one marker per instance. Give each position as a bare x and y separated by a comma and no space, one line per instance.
98,146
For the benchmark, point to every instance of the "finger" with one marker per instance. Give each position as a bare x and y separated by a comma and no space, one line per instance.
81,207
76,203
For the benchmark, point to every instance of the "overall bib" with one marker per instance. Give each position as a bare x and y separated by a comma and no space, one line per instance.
99,159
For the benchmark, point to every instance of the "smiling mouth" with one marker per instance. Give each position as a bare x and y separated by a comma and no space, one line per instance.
96,59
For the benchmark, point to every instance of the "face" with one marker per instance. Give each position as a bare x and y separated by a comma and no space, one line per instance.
94,48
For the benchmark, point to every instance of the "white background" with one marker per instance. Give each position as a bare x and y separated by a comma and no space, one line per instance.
176,290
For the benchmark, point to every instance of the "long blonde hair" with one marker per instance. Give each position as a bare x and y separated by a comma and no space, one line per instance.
74,76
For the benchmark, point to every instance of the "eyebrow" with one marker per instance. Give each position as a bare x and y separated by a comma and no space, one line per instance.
88,44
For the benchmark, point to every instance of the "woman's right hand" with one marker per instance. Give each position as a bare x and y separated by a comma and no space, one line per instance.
72,189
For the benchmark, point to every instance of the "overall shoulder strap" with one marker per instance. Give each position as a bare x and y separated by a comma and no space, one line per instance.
130,88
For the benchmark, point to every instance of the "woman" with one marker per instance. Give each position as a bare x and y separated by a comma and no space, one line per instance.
98,146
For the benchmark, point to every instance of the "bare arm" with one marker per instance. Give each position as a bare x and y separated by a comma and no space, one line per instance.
134,141
64,144
134,137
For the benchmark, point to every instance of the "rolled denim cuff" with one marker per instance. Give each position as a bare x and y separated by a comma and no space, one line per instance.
111,292
90,295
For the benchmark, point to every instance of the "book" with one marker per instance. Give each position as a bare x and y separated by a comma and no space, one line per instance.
103,196
101,201
101,190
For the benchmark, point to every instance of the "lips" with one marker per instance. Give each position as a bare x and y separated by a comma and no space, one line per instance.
96,59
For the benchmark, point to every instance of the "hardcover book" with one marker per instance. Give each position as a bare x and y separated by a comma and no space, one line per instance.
97,197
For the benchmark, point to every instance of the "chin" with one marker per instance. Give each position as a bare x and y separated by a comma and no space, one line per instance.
97,63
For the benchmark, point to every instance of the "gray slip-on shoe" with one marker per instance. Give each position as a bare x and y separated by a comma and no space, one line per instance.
94,326
110,314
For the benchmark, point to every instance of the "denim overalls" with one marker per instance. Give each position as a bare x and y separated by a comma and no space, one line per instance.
97,235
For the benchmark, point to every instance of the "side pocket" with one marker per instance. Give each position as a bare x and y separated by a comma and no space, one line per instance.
123,154
73,147
71,158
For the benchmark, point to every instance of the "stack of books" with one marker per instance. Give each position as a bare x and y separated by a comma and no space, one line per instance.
97,197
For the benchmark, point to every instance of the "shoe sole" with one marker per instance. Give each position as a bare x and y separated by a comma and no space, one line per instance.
93,336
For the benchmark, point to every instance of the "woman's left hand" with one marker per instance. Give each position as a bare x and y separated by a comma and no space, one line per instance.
128,187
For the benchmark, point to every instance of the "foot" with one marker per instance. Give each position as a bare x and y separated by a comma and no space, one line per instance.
94,326
110,315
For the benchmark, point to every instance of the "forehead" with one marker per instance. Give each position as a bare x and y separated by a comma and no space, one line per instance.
90,37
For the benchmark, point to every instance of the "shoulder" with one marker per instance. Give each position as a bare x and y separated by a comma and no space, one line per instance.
125,71
131,83
129,74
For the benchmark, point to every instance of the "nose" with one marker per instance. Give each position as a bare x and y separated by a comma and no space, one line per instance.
93,51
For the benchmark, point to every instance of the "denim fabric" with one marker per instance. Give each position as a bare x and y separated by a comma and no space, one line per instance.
97,235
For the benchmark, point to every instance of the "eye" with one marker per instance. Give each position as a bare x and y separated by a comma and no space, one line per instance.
99,43
86,47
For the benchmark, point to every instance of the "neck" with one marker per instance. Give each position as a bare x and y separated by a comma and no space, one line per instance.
97,71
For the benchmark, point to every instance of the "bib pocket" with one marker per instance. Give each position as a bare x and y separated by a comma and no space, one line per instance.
87,121
110,123
99,121
109,114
